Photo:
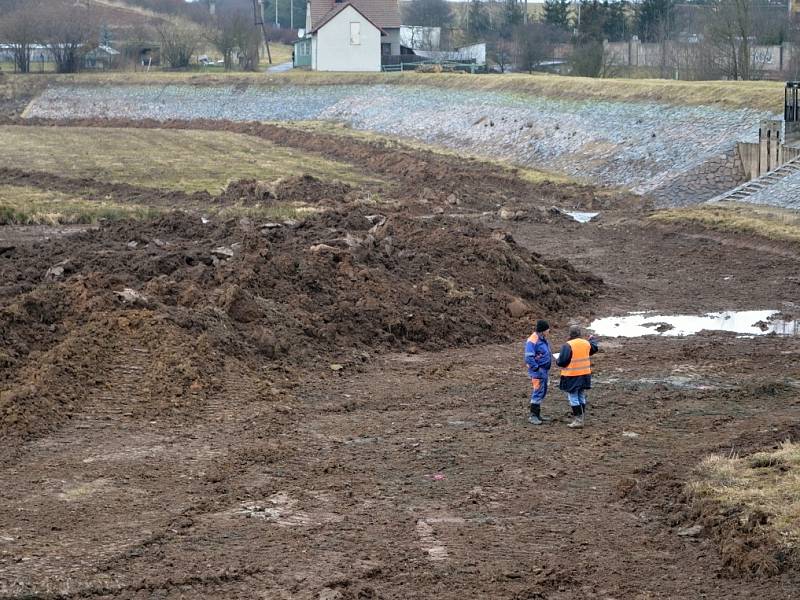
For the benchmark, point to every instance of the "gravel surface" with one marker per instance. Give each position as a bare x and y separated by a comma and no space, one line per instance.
639,145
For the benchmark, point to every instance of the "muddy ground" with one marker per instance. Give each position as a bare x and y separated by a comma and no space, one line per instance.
297,420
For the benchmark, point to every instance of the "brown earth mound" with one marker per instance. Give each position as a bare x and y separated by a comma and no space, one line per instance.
304,188
747,545
337,285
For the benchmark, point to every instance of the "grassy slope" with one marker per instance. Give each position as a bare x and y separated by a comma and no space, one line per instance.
768,482
27,205
765,221
22,205
181,160
761,95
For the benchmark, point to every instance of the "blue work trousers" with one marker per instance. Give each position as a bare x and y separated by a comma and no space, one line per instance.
577,398
539,390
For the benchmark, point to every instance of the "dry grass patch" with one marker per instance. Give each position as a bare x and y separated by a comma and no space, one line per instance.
762,489
765,221
281,53
186,160
21,205
263,212
760,95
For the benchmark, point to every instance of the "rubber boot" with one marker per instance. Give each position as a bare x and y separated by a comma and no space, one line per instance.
577,418
535,417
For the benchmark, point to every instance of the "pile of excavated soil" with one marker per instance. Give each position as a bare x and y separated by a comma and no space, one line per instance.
303,189
181,296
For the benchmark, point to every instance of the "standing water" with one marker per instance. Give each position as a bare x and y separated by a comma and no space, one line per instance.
745,322
581,217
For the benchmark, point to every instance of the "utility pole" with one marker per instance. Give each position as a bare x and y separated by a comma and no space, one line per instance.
291,14
525,16
258,7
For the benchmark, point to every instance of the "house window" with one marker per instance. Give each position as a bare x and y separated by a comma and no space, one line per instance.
355,34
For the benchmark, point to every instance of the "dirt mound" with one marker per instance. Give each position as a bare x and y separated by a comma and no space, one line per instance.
305,188
747,545
340,285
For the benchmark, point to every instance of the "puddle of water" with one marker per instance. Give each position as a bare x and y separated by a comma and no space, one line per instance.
581,217
745,322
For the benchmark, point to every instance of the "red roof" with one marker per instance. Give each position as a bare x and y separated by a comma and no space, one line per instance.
381,13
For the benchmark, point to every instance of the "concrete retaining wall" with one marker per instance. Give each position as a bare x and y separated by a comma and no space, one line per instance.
713,177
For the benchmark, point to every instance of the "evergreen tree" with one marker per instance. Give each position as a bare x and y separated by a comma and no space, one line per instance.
556,13
478,24
655,20
428,13
615,24
512,16
591,25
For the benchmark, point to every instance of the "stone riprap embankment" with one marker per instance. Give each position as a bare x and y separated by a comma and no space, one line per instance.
678,154
784,193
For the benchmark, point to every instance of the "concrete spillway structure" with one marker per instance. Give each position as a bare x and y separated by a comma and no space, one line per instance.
772,165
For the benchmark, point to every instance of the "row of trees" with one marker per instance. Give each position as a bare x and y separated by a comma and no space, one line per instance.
69,33
701,38
58,27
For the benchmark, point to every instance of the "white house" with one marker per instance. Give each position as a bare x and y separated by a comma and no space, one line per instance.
349,35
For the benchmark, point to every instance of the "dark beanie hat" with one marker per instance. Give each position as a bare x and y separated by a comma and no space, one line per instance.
542,326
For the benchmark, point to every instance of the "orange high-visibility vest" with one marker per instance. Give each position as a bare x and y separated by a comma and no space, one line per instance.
580,363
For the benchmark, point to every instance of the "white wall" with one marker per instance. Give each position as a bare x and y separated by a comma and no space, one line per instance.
332,50
392,37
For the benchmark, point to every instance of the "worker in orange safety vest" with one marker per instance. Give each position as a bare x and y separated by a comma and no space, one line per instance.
576,372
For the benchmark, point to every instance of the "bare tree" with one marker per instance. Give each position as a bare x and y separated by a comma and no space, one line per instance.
248,42
424,38
731,30
535,42
592,59
226,34
69,33
19,30
501,51
178,44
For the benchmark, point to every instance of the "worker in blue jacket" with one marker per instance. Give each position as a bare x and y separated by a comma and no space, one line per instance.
576,372
538,359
